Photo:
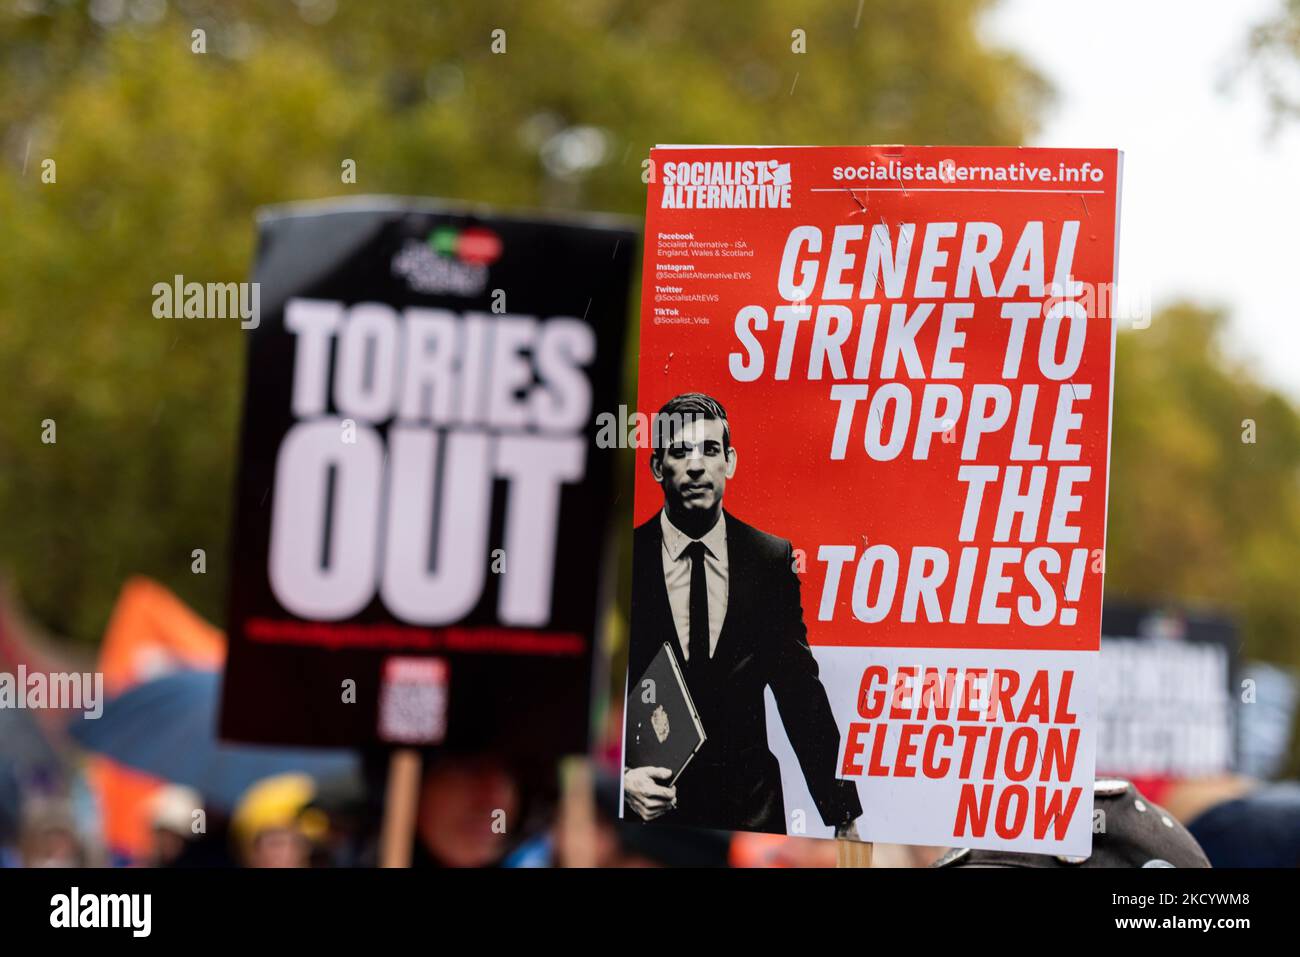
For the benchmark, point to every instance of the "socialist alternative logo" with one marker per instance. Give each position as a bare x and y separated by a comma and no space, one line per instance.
746,184
450,260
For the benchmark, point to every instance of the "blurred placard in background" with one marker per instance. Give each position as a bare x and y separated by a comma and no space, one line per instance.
422,508
1165,705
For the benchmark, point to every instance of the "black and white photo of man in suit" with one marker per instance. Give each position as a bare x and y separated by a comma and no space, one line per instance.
725,597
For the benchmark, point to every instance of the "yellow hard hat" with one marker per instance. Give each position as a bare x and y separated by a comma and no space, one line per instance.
277,802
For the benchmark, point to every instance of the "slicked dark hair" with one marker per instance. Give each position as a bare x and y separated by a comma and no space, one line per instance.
679,410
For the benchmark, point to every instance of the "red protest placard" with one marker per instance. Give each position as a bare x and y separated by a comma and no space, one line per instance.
898,366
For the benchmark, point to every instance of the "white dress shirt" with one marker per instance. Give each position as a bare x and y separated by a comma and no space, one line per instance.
677,576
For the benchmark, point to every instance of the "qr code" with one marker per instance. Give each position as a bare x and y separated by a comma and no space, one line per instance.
413,701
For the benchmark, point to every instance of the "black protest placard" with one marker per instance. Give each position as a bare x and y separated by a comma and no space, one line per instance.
422,511
1168,682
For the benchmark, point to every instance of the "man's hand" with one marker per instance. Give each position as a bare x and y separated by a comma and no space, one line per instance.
645,795
848,831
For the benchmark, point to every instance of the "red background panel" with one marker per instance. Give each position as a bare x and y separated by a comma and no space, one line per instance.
786,482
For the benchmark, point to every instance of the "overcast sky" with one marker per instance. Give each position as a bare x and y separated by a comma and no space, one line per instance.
1211,197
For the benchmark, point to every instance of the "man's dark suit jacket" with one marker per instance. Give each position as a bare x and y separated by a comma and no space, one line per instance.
734,782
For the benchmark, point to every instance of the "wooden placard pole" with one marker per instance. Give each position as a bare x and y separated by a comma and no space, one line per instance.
577,830
401,800
852,853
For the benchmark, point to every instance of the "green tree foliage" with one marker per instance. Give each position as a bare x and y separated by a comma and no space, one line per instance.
1274,50
162,155
1198,511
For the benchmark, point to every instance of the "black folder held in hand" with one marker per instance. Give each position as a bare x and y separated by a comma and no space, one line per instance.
663,727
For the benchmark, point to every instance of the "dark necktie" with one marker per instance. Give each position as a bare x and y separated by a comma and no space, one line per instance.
699,638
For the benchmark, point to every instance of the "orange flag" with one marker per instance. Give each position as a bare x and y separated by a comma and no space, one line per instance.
151,633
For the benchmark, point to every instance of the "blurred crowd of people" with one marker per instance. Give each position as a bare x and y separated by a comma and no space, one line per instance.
473,812
62,804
